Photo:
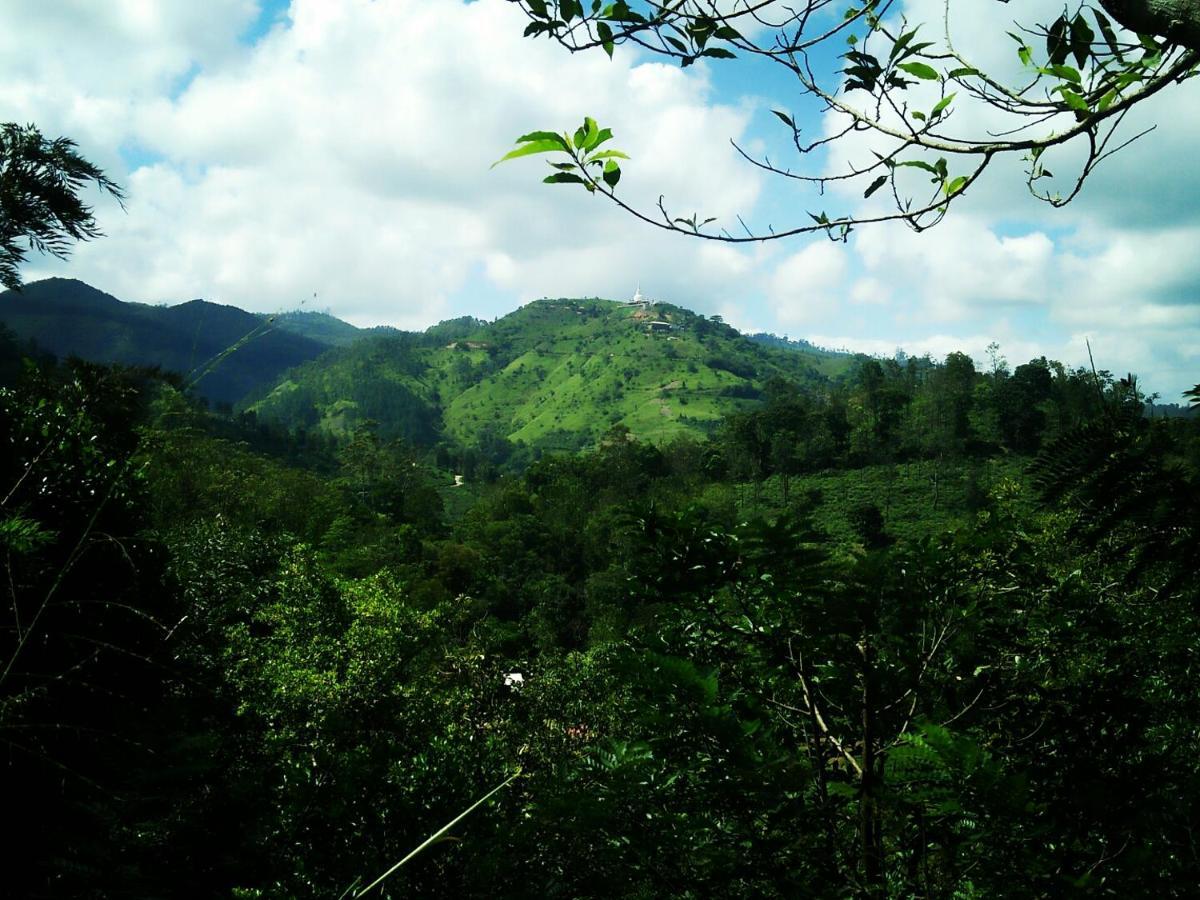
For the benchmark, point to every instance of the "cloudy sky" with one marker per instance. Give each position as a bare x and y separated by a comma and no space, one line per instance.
336,155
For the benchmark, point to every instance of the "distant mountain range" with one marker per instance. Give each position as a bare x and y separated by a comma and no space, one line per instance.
552,374
70,318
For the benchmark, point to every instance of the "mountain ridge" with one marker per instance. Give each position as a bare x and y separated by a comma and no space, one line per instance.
68,317
554,374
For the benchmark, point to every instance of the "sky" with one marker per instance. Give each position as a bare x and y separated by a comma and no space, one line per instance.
336,156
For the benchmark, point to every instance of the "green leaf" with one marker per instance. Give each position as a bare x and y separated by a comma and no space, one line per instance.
1073,100
920,70
902,42
719,53
604,134
919,116
875,185
1066,73
918,164
1057,46
587,134
612,173
608,154
956,185
964,72
1081,39
941,105
542,136
785,118
563,178
529,149
605,35
620,12
1110,36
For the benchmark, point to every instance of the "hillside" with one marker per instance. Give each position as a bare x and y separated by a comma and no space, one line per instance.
555,374
70,318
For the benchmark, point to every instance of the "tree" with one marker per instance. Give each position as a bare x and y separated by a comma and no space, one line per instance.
900,87
40,183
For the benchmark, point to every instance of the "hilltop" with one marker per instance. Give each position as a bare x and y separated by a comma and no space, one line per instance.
554,374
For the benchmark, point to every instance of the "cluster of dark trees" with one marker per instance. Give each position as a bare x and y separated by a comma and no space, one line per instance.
224,674
912,408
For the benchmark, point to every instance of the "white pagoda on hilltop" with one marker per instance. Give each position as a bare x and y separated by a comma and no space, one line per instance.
638,299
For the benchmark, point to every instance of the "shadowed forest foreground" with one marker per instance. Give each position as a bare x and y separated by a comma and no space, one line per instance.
924,632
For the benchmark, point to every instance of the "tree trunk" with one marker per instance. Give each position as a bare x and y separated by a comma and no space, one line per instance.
816,749
871,827
1176,20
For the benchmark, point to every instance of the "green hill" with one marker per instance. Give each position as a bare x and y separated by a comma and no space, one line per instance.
555,374
69,318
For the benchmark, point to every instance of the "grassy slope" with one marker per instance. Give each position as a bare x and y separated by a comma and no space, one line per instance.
555,374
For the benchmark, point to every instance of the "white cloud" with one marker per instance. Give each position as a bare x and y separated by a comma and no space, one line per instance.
961,268
347,153
805,288
82,68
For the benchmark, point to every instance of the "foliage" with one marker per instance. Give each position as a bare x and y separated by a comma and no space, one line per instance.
882,665
40,209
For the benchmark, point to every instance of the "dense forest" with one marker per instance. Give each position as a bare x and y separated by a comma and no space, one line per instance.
898,628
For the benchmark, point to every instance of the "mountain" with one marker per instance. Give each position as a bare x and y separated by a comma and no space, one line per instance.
554,374
68,317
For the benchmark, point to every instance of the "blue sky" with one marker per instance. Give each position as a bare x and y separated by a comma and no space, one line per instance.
274,151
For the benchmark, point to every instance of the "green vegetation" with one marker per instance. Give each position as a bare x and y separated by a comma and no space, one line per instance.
917,631
554,375
41,209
